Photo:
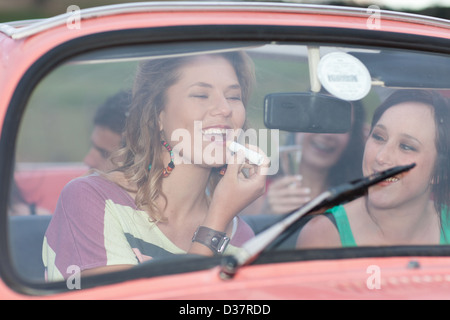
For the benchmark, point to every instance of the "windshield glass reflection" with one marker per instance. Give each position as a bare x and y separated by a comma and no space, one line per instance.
122,159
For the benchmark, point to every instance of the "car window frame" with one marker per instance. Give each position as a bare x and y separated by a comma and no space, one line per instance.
283,34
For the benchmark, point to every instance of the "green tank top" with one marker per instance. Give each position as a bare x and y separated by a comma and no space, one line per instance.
345,232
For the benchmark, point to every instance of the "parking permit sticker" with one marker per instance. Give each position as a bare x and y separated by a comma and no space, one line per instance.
344,76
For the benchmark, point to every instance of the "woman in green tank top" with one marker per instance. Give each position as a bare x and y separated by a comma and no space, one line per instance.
411,126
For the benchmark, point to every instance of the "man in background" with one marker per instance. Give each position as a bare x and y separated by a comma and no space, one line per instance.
109,123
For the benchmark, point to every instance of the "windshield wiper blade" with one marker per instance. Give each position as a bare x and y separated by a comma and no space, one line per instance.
338,195
351,190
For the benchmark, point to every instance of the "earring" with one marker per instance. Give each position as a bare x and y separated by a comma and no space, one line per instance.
223,170
170,165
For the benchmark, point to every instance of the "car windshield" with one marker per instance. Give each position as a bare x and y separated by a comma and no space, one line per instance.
320,115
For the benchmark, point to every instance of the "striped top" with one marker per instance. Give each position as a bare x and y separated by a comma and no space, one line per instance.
96,223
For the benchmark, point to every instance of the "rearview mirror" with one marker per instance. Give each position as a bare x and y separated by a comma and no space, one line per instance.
307,112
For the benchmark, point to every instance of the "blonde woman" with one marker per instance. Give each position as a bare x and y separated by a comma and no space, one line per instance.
160,200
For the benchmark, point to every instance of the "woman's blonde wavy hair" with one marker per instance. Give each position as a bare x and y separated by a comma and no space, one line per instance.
142,134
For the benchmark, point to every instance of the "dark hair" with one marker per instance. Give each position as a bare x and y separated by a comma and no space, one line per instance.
113,113
348,167
441,108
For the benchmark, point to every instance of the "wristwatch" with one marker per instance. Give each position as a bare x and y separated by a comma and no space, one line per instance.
214,240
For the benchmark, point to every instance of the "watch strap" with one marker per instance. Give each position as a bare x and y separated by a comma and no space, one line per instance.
215,240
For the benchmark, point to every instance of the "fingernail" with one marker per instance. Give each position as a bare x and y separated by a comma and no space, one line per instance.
292,185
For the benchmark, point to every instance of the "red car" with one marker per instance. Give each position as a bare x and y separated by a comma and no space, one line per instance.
321,74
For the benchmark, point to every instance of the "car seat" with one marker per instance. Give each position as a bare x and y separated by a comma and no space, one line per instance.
26,238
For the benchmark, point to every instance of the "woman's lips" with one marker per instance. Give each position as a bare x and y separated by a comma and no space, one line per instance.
392,179
323,147
215,134
214,131
389,181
